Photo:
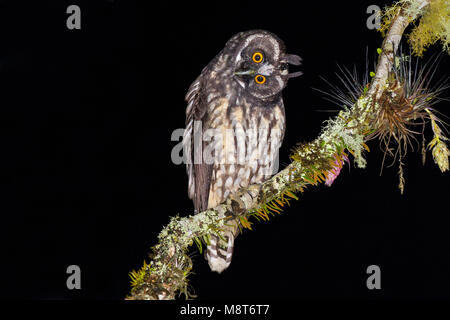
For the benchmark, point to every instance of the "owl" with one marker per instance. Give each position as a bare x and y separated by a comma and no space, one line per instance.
235,123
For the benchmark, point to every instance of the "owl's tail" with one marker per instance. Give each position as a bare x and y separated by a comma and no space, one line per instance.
220,251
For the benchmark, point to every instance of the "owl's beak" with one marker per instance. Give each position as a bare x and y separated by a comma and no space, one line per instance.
244,73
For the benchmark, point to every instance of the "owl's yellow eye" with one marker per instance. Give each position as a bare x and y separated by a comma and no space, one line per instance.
260,79
257,57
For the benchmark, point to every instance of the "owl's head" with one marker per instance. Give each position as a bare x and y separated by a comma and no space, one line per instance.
259,62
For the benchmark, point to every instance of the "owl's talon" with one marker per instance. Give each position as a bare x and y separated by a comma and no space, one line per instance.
236,203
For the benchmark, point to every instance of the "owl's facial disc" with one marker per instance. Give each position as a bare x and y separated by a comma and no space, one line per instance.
260,63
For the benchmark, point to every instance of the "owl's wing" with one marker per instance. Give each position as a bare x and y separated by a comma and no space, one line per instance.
199,174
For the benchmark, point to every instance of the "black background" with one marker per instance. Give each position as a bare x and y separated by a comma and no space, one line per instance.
86,118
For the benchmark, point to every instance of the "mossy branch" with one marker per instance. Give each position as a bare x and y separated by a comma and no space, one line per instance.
312,163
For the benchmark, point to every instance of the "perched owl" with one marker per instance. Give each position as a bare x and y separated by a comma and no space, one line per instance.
235,124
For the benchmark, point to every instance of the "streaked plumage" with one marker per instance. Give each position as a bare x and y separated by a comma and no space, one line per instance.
235,113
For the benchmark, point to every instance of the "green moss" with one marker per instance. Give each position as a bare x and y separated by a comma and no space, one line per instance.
433,26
